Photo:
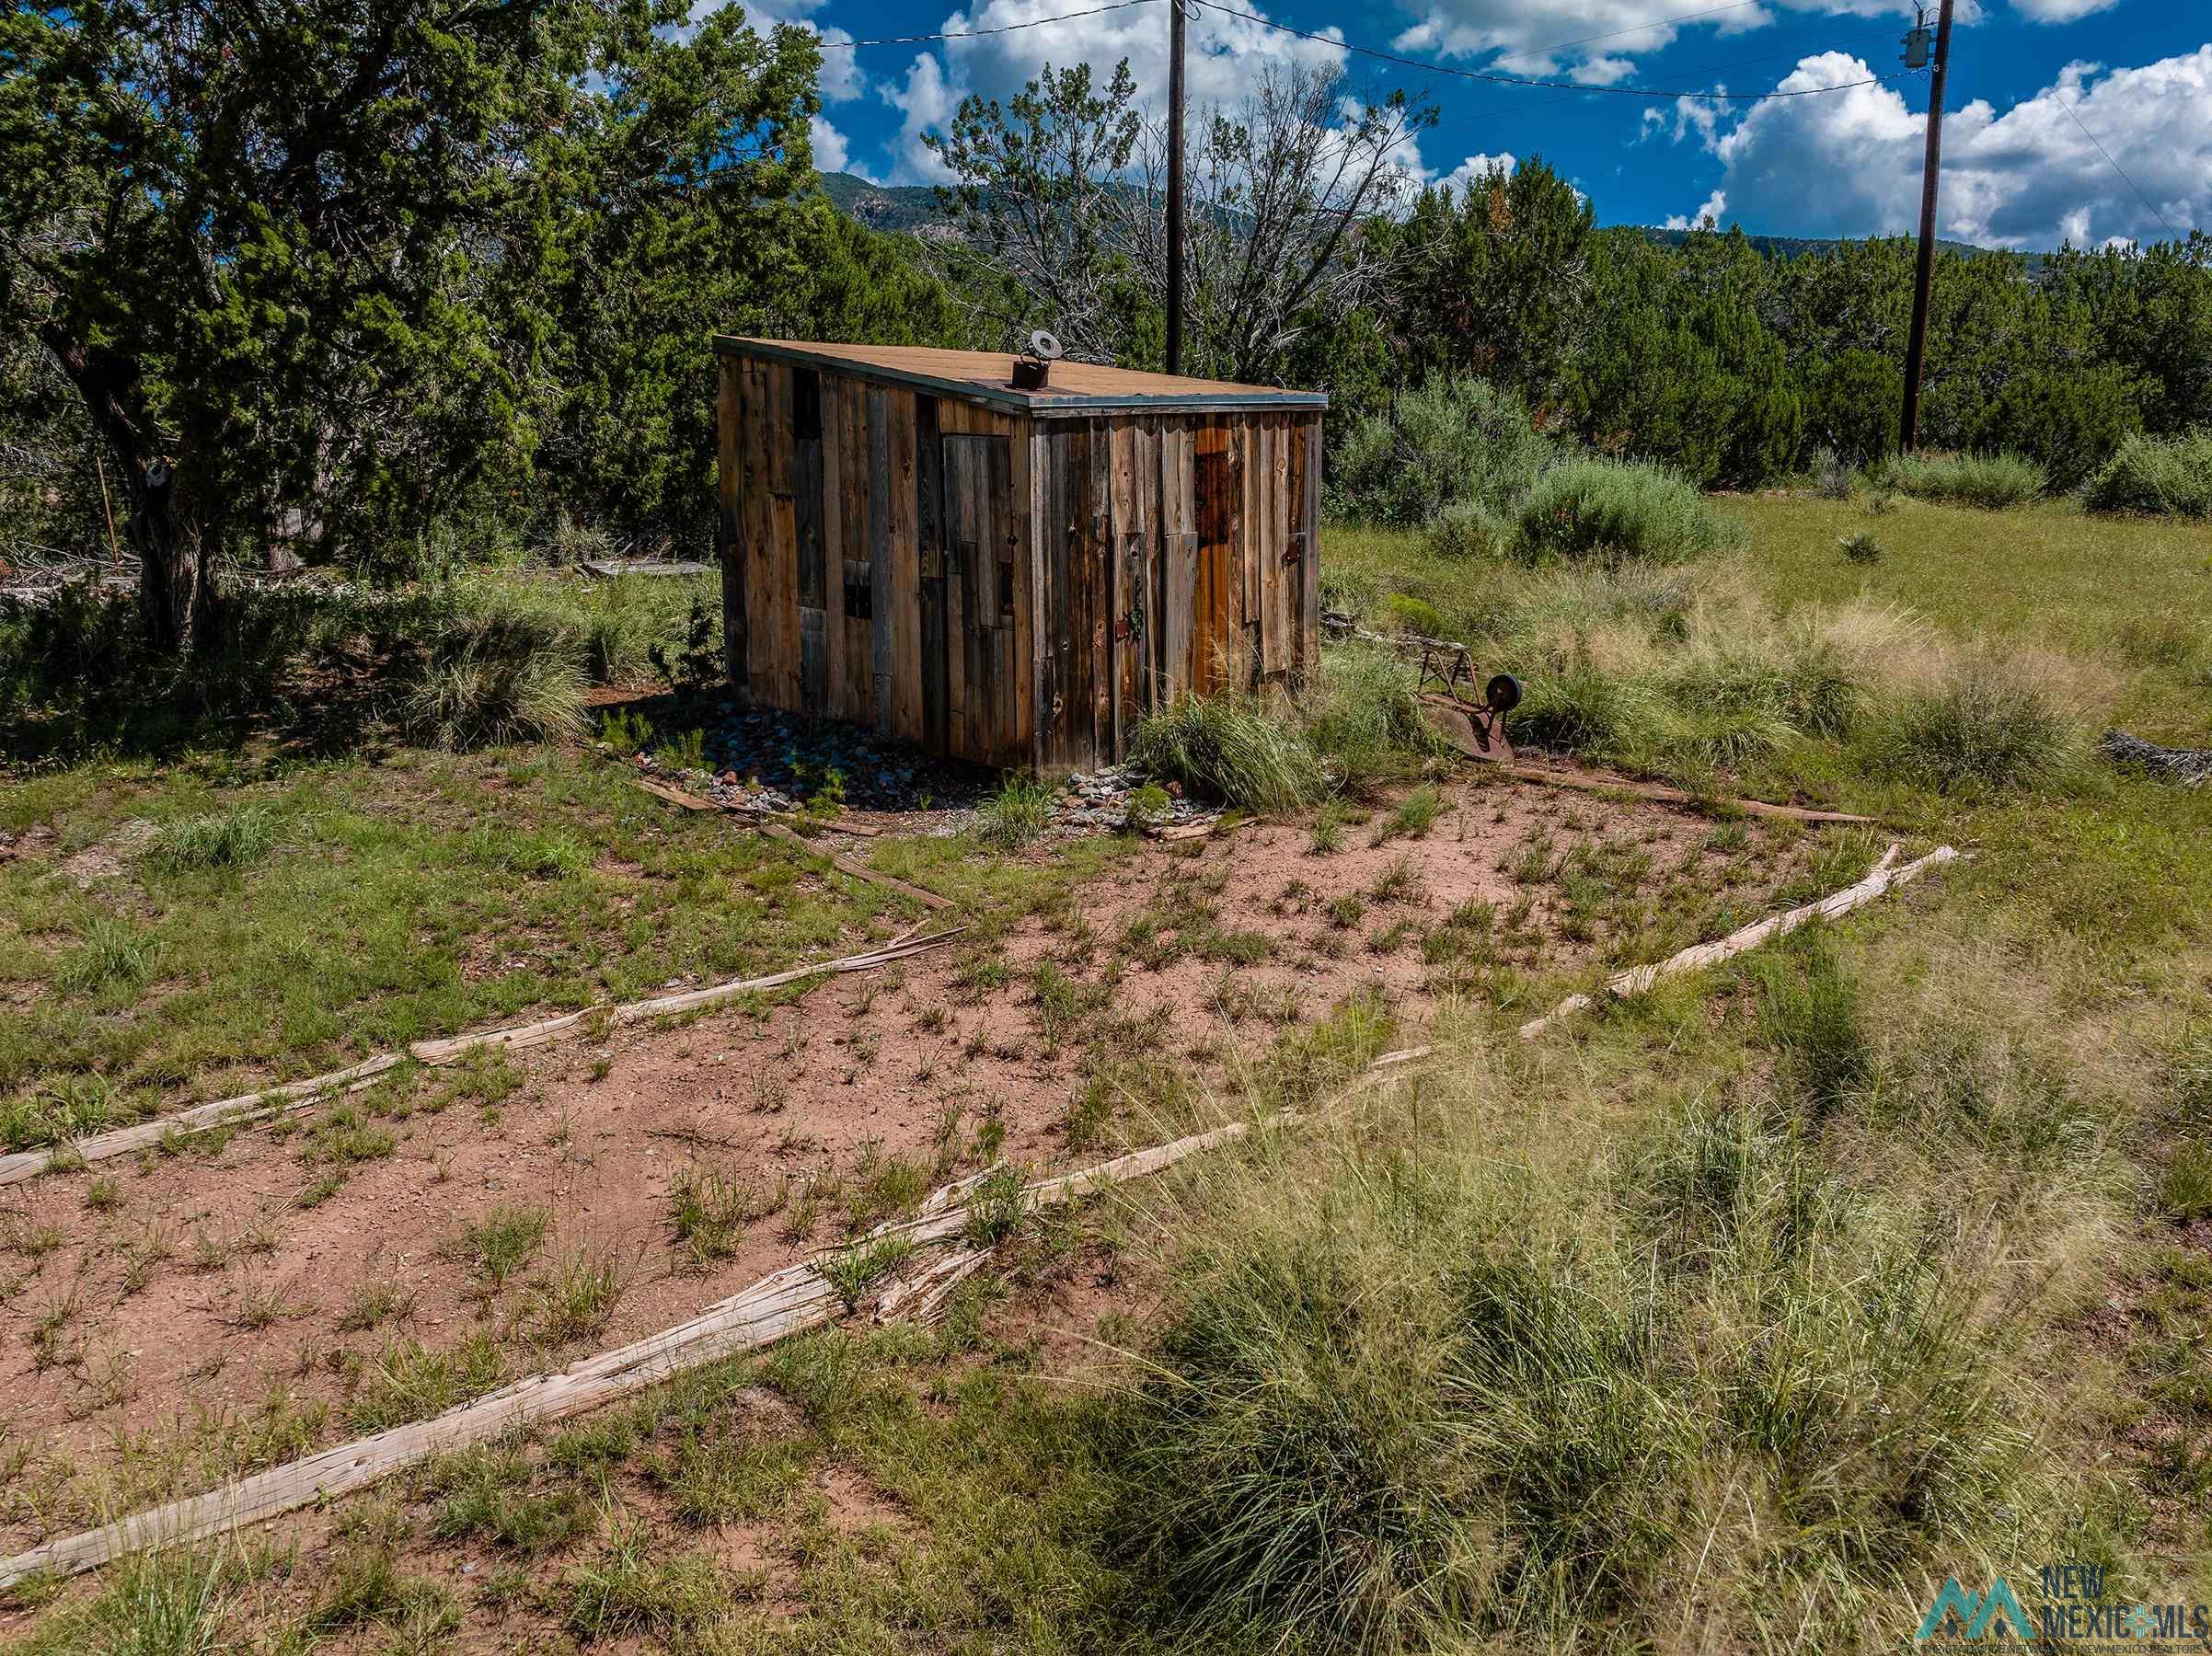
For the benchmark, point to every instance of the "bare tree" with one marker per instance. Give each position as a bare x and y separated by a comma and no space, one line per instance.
1062,196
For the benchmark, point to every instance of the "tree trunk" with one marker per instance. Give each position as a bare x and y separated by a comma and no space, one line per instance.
176,588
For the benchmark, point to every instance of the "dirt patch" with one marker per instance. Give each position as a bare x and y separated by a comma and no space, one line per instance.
178,1320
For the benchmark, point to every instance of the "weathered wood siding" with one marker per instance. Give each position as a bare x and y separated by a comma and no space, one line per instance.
1011,590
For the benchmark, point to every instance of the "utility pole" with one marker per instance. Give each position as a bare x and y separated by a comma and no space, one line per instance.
1916,349
1175,185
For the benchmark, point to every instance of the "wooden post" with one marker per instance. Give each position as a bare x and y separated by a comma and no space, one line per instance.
1916,349
1175,207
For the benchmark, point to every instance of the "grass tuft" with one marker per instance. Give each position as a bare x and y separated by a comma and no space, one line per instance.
1233,748
230,839
1989,481
1016,814
1990,725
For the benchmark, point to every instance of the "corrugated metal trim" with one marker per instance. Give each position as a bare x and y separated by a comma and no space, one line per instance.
1045,406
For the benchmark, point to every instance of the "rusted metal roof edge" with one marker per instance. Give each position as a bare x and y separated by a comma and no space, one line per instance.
1061,406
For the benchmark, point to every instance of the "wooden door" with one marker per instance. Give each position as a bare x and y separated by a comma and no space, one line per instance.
976,644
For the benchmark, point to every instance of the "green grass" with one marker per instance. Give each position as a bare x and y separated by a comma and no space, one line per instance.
1618,510
370,909
1739,1316
1991,482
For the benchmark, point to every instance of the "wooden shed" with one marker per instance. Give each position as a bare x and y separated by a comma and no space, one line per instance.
1011,577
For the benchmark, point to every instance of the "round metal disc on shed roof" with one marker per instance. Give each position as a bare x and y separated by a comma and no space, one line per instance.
1045,345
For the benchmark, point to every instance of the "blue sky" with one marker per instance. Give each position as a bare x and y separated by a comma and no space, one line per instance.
2021,170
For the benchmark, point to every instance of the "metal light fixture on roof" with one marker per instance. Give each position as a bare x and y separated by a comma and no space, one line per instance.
1034,366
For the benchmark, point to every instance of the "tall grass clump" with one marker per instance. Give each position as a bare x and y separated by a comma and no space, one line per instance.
1245,750
1579,707
2165,475
1990,481
165,1600
1016,814
495,672
1989,724
1503,1396
229,839
1622,510
1363,718
1454,439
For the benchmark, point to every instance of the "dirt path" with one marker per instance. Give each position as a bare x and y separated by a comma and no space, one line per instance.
173,1321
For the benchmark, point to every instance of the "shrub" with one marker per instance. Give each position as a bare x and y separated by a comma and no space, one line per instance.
1234,748
1409,613
2168,474
1989,481
1834,478
1468,529
1863,546
503,674
2068,418
227,840
1624,508
1988,725
1452,439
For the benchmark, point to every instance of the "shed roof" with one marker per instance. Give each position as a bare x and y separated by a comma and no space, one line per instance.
987,376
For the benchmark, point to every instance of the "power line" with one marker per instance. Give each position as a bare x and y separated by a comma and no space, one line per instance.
2118,168
1516,80
971,34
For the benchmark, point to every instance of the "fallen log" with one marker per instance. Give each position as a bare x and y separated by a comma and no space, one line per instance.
1636,980
769,825
266,1105
1675,795
858,870
243,1110
783,1303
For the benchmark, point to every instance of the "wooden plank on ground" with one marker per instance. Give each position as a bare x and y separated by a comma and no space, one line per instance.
1638,979
784,1302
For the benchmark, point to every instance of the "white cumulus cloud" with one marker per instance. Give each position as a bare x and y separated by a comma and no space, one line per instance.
2060,11
1715,205
1225,56
1849,163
